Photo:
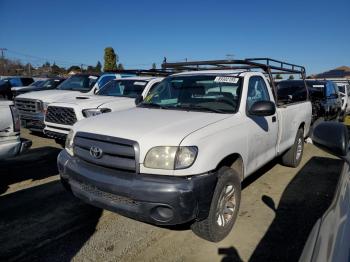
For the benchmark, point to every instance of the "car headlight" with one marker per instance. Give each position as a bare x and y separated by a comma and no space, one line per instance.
171,157
95,111
69,143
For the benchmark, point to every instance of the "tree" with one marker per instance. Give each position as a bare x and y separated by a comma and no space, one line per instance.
73,68
154,66
120,67
111,59
291,77
98,67
278,76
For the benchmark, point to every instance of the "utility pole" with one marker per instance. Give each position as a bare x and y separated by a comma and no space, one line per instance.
3,60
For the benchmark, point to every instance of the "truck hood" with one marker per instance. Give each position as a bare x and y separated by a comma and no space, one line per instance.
149,127
94,101
49,96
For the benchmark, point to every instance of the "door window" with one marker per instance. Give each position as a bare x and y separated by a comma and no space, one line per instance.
257,91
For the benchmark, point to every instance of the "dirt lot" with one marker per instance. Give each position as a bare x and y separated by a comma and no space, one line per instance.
41,222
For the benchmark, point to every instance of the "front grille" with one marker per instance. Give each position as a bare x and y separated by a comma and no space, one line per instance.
117,153
61,115
27,105
105,195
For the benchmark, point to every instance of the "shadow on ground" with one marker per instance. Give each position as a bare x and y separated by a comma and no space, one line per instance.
37,164
44,222
35,219
304,200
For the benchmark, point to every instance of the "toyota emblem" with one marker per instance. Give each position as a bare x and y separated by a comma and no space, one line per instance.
96,152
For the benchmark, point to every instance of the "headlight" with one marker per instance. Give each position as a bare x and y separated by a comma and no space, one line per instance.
69,142
171,157
95,111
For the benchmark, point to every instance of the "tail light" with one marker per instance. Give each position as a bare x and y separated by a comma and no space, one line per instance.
15,119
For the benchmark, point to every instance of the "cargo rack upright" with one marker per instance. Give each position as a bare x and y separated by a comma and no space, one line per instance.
269,66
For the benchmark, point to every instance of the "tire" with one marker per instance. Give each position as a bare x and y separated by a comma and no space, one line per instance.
210,228
294,155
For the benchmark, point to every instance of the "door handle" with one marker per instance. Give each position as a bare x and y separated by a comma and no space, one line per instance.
274,119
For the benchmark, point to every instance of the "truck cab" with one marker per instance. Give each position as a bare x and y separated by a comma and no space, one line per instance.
180,156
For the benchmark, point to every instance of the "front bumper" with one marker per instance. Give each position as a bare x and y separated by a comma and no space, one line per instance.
155,199
34,122
12,148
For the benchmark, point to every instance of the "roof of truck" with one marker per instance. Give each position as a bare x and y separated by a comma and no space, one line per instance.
139,78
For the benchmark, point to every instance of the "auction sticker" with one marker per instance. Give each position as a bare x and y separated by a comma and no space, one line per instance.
139,83
226,79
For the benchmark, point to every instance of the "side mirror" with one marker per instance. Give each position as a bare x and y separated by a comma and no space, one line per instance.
96,90
263,108
332,137
138,99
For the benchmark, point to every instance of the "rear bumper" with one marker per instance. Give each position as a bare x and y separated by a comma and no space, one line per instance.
161,200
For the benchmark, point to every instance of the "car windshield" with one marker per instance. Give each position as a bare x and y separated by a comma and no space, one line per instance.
207,93
123,88
38,83
82,83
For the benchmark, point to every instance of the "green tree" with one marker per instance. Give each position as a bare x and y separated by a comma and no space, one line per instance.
291,77
111,59
154,66
98,67
278,76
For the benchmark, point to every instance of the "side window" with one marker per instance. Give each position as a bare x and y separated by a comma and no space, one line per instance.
257,91
330,89
153,86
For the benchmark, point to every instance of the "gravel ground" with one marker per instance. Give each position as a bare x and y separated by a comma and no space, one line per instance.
41,222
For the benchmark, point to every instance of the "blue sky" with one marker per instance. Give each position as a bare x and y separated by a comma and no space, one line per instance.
312,33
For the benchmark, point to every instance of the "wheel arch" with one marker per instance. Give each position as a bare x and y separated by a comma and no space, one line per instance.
234,161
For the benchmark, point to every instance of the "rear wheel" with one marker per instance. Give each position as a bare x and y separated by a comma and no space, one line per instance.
223,209
294,155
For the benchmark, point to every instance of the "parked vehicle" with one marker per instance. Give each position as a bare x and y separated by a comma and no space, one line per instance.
10,142
116,95
40,85
181,155
7,83
343,91
324,95
32,106
329,240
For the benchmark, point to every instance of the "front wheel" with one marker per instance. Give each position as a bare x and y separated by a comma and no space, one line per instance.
223,209
293,156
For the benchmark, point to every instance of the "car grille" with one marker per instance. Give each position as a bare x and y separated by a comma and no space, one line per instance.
116,153
28,105
61,115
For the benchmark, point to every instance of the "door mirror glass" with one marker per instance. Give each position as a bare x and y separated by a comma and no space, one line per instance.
332,137
263,108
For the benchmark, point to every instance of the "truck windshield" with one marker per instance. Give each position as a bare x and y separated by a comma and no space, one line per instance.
123,87
207,93
82,83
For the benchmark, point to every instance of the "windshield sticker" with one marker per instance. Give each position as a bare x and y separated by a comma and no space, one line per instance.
226,79
318,86
139,83
93,77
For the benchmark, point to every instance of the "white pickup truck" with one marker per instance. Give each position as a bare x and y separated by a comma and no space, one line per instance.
180,156
32,106
116,95
10,142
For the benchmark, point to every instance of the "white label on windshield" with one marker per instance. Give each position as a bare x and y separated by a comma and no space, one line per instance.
317,85
93,77
56,80
139,83
226,79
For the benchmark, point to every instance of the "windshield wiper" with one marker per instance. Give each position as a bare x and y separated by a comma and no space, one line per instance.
153,105
202,108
